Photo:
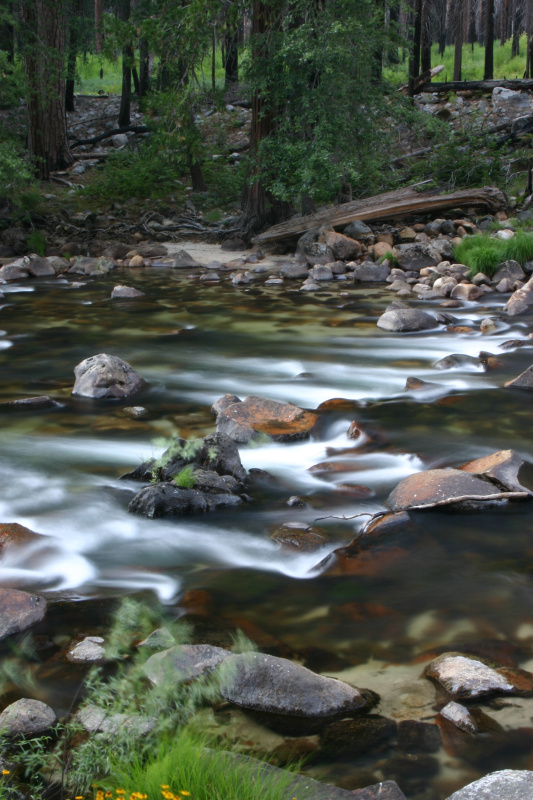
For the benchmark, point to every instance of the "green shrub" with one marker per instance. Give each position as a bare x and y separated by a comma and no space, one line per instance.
484,253
185,478
16,176
37,243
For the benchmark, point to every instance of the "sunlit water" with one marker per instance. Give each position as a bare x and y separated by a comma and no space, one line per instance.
59,468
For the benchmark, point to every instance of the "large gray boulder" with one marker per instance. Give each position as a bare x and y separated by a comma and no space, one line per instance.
286,695
406,320
417,255
508,784
310,249
521,300
509,269
371,273
360,231
26,717
169,500
522,381
20,611
37,266
183,663
106,377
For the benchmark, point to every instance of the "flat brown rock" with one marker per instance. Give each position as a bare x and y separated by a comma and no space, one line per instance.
464,677
502,467
439,487
282,421
18,611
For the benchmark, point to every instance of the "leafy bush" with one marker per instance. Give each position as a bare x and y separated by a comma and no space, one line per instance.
484,253
11,82
15,171
185,478
37,243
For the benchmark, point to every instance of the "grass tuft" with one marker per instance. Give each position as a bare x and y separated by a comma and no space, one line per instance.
485,253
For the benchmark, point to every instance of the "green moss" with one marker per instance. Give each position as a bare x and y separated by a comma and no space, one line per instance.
185,478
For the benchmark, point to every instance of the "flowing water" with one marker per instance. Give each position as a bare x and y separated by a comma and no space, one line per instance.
459,581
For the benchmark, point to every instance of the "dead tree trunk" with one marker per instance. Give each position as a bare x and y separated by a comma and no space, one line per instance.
414,60
98,25
488,73
44,65
458,52
127,62
425,34
144,67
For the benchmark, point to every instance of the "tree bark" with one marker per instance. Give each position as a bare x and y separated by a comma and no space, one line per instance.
72,56
7,40
517,25
258,205
489,41
425,40
124,114
231,64
44,65
414,60
458,52
98,25
144,67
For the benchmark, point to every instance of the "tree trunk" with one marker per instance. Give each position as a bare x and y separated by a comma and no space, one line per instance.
7,40
458,53
135,78
489,41
231,65
98,25
504,21
425,33
414,60
124,115
144,68
258,205
442,27
72,55
517,25
214,60
44,65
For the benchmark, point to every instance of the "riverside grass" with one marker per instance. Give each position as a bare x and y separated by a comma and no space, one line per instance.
484,253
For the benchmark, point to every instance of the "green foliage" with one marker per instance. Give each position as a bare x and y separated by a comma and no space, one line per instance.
16,177
484,253
11,81
317,78
473,62
37,243
184,764
186,449
185,478
461,159
390,257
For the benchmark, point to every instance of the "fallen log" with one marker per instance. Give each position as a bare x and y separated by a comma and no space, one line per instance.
475,86
390,205
422,79
107,134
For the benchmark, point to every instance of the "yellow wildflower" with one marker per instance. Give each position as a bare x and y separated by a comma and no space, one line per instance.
185,793
5,772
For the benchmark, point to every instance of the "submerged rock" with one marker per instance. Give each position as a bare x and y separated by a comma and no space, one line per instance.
20,611
106,377
89,650
508,784
441,487
405,320
287,695
13,533
242,421
121,292
349,738
299,536
464,677
26,717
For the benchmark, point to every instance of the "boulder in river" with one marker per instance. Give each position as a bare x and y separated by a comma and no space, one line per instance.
20,611
242,421
521,300
13,533
169,500
10,272
465,677
89,651
121,292
417,255
299,536
523,381
106,377
406,320
444,487
507,784
369,272
184,663
286,695
501,468
37,266
27,717
84,265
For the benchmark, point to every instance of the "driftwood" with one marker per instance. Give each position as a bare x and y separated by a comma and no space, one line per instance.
475,86
107,134
422,79
390,205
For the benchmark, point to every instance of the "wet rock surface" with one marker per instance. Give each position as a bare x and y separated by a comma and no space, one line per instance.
282,421
406,320
287,695
106,377
508,784
184,663
20,611
502,468
27,717
98,720
463,677
89,650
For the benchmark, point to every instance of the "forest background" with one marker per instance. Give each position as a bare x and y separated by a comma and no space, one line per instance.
321,80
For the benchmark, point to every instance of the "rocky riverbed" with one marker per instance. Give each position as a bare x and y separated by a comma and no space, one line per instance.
344,478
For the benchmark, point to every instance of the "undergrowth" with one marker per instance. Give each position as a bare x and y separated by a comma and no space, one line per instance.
484,253
143,739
